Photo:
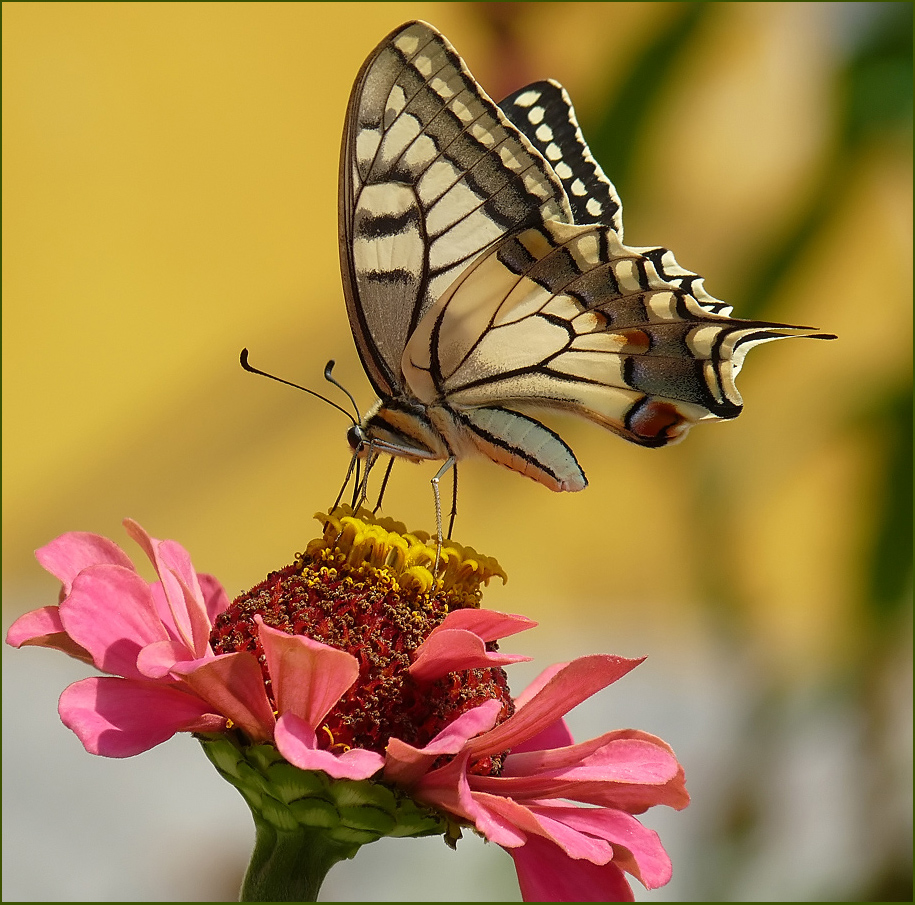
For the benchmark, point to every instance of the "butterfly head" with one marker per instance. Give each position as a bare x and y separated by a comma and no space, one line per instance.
358,440
397,427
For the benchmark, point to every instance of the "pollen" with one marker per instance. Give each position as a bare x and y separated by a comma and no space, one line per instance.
365,586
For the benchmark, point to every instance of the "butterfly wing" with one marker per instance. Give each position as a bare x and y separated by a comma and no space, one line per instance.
566,316
431,173
484,271
543,112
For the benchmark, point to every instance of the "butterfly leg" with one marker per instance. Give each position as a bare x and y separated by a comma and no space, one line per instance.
450,463
357,482
349,473
370,461
453,501
384,484
353,466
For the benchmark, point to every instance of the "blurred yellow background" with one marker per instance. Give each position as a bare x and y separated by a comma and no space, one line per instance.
169,196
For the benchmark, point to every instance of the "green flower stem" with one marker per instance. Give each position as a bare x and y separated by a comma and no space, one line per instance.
290,865
307,821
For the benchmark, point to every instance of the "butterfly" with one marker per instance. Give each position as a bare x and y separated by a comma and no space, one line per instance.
485,276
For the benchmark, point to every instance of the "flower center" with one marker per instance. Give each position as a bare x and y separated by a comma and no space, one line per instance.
365,588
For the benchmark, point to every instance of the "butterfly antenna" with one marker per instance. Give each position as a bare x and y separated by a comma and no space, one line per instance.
243,358
331,379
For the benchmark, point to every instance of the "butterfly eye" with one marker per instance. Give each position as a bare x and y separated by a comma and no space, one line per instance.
356,438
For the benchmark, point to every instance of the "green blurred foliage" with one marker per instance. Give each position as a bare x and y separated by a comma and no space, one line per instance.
872,86
890,568
875,88
613,134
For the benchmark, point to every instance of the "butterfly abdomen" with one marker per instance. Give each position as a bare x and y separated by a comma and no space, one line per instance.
514,440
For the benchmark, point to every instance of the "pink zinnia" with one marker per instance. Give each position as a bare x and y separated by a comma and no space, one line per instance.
352,695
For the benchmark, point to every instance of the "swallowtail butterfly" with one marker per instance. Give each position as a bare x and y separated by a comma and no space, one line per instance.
485,275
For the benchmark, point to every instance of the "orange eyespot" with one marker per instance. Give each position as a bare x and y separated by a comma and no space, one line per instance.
654,420
636,342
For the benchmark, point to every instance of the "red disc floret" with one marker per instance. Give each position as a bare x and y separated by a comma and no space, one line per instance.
363,611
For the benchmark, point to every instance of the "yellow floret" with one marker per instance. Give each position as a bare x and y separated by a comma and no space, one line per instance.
384,544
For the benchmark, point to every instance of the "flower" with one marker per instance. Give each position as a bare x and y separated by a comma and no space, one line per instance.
351,695
111,617
562,852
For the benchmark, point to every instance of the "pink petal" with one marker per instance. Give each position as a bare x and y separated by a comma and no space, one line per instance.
556,735
556,757
534,688
446,788
490,625
565,783
66,556
122,717
175,558
452,651
575,844
405,765
566,688
35,624
177,561
43,628
648,862
233,684
157,660
629,797
186,613
605,758
547,874
110,613
164,611
308,677
296,741
214,596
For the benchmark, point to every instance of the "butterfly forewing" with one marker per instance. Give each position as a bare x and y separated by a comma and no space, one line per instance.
432,172
543,111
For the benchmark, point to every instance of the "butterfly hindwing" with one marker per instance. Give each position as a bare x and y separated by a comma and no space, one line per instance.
432,172
543,112
566,316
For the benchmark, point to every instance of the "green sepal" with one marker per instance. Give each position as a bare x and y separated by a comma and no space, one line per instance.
307,821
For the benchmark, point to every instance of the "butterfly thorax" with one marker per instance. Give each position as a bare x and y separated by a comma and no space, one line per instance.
399,426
